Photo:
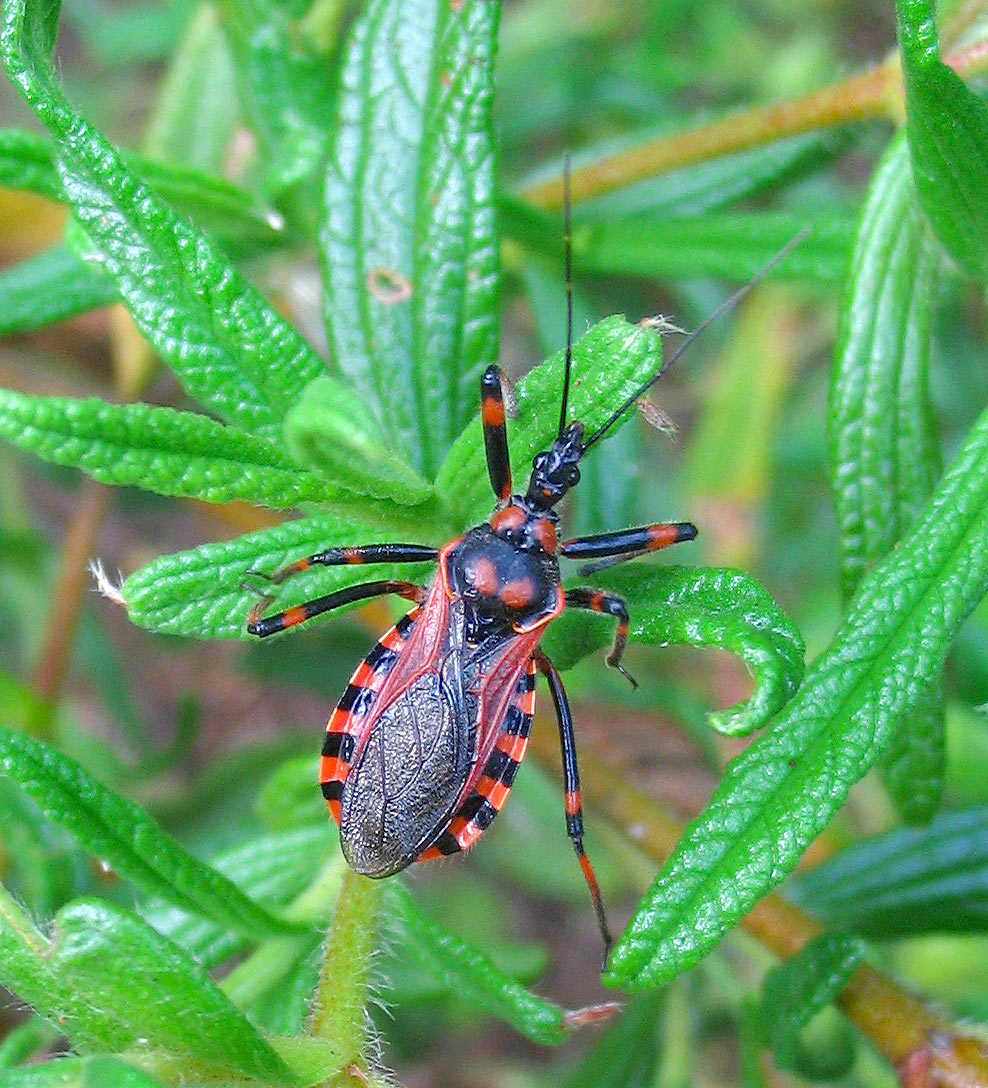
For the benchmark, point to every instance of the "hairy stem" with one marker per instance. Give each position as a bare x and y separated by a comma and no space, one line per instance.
337,1011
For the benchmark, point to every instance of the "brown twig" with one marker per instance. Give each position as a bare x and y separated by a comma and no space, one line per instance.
898,1025
871,95
66,598
133,363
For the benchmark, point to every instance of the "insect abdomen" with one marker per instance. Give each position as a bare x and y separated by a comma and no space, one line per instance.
407,779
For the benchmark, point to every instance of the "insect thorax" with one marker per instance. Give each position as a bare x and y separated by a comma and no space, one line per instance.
503,585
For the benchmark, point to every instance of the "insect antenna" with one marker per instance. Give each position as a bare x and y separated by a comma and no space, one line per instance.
568,259
727,305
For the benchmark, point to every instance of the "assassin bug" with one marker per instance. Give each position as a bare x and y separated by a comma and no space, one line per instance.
421,752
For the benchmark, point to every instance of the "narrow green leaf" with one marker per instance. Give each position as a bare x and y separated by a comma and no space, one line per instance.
795,991
409,240
913,766
884,454
289,800
26,163
333,432
884,459
286,89
275,867
158,449
947,126
43,868
781,791
200,593
29,162
752,1042
200,71
472,976
627,1054
48,288
97,1072
701,607
732,245
708,186
609,362
907,881
120,833
24,1041
111,983
228,347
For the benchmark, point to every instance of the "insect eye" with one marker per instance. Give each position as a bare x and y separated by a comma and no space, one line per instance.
573,476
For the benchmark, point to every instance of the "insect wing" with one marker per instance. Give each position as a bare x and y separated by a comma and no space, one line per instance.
503,743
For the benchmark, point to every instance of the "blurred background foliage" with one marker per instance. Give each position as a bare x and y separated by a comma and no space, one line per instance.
216,739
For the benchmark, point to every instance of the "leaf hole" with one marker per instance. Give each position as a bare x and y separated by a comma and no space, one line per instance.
388,286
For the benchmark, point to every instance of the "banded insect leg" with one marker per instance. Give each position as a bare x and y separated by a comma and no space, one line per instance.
596,600
625,544
571,783
495,434
291,617
365,553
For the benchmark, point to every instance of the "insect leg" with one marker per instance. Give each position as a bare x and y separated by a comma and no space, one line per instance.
495,435
596,600
300,613
626,544
367,553
571,783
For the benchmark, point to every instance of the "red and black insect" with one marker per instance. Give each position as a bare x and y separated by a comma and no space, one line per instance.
422,750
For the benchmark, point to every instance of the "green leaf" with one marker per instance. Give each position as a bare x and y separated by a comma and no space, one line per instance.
286,89
781,791
30,162
795,991
627,1054
228,347
276,867
200,593
289,799
48,288
111,983
200,71
409,240
158,449
732,245
907,881
332,431
701,607
884,454
708,186
96,1072
947,126
24,1041
26,163
121,835
731,449
609,363
42,866
468,973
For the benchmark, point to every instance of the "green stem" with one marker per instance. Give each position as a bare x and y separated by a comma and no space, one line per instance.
337,1012
16,927
266,964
